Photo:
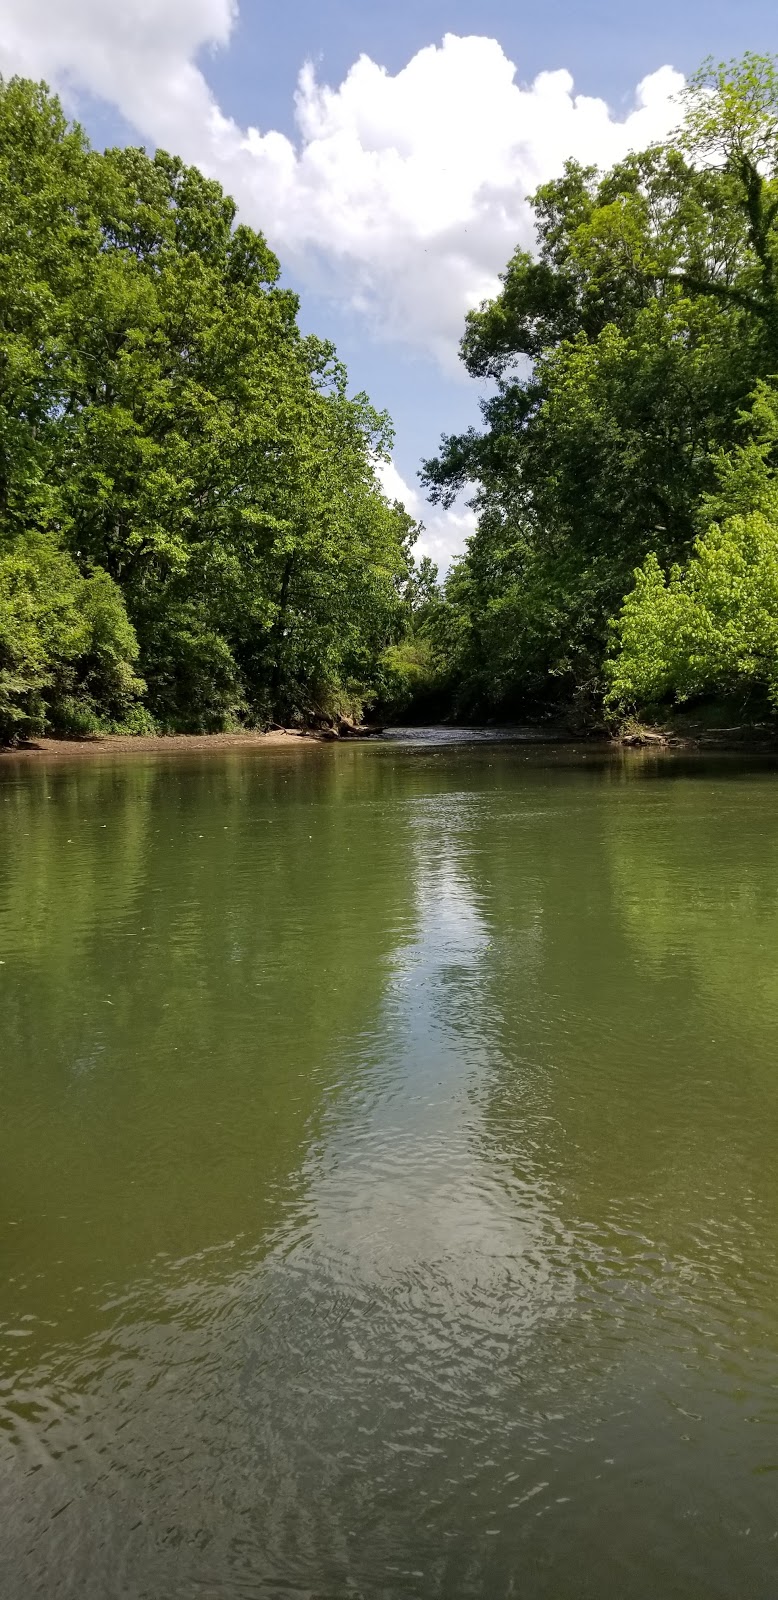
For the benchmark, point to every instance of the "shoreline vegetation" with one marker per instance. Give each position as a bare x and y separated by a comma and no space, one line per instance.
193,535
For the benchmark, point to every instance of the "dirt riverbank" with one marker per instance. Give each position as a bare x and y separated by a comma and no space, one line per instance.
160,744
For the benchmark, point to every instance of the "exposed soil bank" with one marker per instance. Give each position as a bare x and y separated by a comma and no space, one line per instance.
172,743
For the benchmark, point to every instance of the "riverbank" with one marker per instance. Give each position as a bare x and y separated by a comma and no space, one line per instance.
684,732
162,743
676,734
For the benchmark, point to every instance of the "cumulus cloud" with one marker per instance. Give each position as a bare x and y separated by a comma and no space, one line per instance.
444,533
414,185
140,55
403,194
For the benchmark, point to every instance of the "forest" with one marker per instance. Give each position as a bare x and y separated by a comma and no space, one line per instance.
626,554
192,532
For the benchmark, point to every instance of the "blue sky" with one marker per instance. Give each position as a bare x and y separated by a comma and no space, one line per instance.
393,200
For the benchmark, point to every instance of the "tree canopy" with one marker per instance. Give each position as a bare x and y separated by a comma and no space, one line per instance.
192,533
629,355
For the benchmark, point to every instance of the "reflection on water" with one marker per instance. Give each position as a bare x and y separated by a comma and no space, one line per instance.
387,1178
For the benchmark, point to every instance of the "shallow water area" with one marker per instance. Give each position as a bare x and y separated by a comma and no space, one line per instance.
388,1195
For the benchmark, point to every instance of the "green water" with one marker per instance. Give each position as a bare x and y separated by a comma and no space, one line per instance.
388,1183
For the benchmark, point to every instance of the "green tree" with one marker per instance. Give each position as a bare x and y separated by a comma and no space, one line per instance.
414,669
164,421
67,649
710,627
621,354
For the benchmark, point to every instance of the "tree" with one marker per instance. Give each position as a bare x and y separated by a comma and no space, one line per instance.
164,422
67,649
710,627
622,355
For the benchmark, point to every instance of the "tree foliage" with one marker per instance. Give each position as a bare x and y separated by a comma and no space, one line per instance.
171,439
67,649
622,355
710,627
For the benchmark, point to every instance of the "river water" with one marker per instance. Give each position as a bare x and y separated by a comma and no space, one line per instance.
388,1182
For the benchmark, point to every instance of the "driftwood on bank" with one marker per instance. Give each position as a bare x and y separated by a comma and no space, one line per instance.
344,728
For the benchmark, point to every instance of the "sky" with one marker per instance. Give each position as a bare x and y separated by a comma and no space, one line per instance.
386,151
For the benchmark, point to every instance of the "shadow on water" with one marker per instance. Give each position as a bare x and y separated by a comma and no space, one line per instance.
386,1143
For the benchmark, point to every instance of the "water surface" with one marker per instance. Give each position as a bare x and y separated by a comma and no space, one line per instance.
388,1193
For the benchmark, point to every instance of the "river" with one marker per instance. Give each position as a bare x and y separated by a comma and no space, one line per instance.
388,1180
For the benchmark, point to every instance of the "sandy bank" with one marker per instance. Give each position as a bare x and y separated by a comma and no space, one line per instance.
174,743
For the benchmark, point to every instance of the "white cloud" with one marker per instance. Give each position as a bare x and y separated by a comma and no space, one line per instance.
414,186
444,532
404,193
138,54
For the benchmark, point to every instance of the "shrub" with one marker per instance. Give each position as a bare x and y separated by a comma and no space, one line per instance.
67,648
711,627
